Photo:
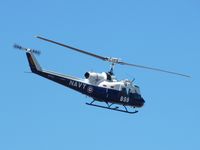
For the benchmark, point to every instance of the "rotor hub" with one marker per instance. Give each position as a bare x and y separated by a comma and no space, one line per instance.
113,60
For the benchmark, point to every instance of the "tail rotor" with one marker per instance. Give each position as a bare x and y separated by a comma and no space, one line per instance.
37,52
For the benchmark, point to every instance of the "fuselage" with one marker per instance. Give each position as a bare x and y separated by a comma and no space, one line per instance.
99,86
104,91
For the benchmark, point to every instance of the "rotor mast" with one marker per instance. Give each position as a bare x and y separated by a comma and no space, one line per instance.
112,68
113,61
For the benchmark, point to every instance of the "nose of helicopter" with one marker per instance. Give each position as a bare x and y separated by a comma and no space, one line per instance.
140,102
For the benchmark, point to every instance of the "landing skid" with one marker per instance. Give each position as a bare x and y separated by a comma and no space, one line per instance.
111,108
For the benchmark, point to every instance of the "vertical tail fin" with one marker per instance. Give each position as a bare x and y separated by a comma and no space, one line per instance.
33,63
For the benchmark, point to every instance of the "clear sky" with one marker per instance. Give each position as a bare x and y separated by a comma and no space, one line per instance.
36,113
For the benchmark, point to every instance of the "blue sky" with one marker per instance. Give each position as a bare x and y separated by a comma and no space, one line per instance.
38,114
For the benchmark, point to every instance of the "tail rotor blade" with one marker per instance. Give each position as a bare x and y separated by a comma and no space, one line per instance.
37,52
18,47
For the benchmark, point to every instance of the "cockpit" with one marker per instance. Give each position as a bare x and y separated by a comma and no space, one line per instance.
131,90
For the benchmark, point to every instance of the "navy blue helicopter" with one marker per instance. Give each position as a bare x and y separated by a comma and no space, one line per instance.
101,87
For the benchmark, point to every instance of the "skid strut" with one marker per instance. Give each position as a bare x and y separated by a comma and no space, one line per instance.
112,108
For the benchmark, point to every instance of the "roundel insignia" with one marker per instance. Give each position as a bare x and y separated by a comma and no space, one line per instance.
90,89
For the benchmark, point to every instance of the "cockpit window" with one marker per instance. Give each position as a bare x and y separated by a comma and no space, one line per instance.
132,90
137,96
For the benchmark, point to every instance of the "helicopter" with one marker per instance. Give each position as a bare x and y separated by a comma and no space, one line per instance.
118,95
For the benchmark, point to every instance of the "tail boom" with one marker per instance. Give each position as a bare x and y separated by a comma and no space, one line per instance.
67,81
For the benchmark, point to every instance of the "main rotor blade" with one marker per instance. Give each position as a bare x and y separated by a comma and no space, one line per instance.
155,69
72,48
109,59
